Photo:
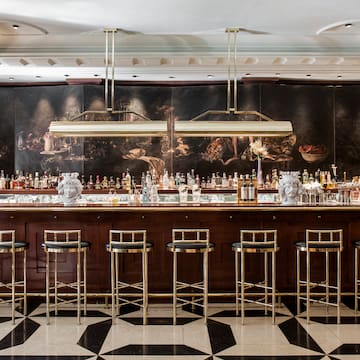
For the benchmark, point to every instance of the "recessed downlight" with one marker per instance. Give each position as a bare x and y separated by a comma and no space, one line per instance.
135,76
171,77
11,78
96,75
247,74
38,76
66,75
210,76
15,26
308,75
339,76
348,25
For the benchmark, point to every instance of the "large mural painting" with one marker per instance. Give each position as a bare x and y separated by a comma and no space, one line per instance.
325,120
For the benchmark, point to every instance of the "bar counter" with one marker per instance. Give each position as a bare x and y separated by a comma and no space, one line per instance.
223,219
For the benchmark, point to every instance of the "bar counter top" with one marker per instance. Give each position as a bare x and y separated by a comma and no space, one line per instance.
223,206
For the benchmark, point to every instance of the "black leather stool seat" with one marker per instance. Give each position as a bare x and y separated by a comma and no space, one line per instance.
19,245
189,246
136,245
253,245
64,245
357,243
326,245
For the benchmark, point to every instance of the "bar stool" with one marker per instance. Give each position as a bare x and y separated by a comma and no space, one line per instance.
65,241
128,242
190,241
252,242
8,245
319,241
357,281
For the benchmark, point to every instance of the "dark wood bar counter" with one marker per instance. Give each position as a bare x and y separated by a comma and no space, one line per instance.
223,220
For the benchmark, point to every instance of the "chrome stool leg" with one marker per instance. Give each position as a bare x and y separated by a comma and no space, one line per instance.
242,275
205,272
47,288
356,279
174,286
13,287
237,282
273,285
298,287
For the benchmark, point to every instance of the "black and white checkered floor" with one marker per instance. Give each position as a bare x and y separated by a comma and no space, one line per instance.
223,337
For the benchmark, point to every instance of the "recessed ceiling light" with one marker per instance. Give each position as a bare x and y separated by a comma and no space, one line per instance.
96,75
348,25
15,26
38,76
277,74
135,76
339,76
210,76
308,75
171,77
66,75
11,78
247,74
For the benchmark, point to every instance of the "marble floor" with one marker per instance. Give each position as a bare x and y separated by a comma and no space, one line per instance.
223,337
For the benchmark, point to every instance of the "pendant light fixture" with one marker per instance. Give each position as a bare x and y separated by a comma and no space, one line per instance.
233,125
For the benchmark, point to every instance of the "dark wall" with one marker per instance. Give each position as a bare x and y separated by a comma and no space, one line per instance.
326,118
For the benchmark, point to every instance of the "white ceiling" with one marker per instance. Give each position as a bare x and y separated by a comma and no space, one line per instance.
161,40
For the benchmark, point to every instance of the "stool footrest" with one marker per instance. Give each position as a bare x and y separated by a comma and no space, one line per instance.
123,285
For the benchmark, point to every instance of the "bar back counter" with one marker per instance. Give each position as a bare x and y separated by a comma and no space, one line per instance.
223,220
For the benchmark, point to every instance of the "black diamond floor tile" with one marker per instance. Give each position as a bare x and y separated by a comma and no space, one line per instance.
146,350
221,336
19,334
73,313
272,357
297,335
347,349
94,336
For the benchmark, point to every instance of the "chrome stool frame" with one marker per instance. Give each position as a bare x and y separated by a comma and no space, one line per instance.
128,242
65,241
190,241
256,241
319,241
356,277
8,245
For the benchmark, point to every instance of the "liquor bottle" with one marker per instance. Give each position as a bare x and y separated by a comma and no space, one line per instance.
97,183
251,190
165,180
90,183
2,181
111,183
105,183
44,181
27,182
224,181
213,181
31,181
83,180
244,193
36,181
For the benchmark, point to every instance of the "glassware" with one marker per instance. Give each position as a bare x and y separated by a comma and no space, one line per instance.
196,194
183,193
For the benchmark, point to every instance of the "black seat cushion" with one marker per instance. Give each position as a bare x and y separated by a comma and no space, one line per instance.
318,245
136,245
189,246
63,245
357,243
252,245
17,245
